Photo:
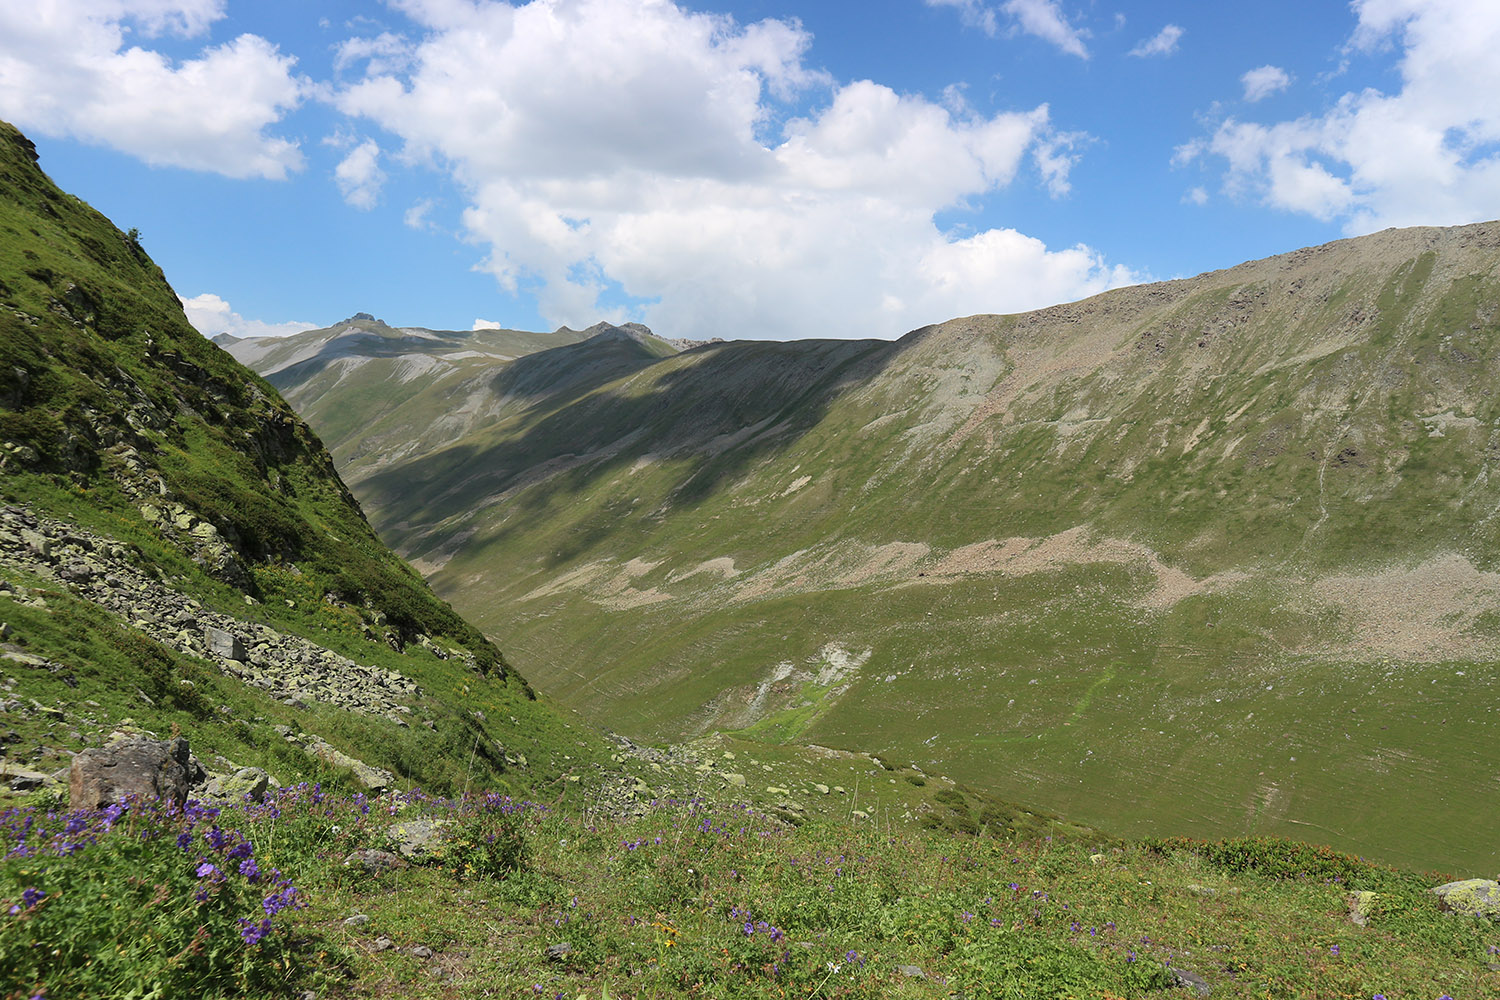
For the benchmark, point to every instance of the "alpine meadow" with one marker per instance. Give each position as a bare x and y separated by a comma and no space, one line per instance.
960,500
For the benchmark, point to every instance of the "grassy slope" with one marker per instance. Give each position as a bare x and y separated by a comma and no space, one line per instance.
1265,442
108,398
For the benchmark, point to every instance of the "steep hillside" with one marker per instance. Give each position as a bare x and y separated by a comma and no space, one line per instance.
1215,555
177,552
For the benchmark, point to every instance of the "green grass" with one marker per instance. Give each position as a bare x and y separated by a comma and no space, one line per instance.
697,900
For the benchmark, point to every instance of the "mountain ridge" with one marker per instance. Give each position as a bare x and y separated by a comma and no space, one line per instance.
1207,490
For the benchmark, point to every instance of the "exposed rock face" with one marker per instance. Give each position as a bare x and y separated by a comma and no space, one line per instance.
1361,907
135,765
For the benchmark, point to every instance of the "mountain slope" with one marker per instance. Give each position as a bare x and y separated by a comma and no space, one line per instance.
177,551
1214,555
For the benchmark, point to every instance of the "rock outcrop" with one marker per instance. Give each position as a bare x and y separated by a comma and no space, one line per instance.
291,668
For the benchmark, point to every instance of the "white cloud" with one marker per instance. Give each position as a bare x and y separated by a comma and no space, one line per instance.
385,53
615,150
416,215
1045,20
485,324
211,316
66,70
359,176
1163,43
1426,155
1263,81
1042,18
1196,196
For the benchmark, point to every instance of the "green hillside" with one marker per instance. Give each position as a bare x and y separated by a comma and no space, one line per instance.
1213,556
151,488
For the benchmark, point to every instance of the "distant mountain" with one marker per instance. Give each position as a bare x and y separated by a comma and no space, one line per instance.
1215,555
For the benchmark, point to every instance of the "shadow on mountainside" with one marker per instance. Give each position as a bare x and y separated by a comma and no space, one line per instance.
724,404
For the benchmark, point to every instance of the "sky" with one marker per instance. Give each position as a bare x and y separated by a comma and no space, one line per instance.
770,169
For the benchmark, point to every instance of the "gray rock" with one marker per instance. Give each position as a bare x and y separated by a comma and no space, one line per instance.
374,779
558,952
421,951
911,972
21,779
1474,897
249,782
358,920
1361,907
416,839
222,643
1191,981
135,765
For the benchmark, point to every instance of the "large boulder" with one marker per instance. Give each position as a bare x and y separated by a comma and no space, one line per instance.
135,765
1474,897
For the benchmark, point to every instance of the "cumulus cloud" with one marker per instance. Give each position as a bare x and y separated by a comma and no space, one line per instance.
1428,154
1042,18
66,69
615,151
1163,43
211,316
1263,81
485,324
359,176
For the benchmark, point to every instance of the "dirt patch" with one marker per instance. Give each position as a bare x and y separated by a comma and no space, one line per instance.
835,567
1075,547
1426,614
722,567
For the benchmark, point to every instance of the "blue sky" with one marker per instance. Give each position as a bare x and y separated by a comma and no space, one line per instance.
742,168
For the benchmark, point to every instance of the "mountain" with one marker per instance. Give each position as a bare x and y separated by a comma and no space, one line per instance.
178,553
426,388
1215,555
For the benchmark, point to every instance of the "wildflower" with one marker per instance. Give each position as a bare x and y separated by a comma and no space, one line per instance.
252,932
1333,949
32,896
205,870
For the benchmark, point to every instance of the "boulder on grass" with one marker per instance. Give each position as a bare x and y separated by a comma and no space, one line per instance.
135,765
247,782
1474,897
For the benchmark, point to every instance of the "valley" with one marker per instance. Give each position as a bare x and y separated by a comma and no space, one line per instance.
1212,556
